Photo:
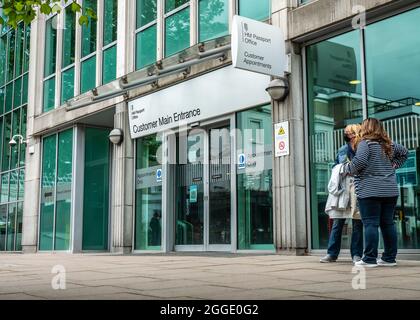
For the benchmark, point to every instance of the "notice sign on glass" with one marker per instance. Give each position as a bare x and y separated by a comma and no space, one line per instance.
281,139
258,47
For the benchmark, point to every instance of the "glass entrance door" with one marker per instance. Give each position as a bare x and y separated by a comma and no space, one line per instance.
203,189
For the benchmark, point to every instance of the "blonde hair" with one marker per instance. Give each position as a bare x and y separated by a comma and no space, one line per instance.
373,130
354,129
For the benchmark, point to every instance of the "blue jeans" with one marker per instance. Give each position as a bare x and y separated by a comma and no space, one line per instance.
334,243
379,212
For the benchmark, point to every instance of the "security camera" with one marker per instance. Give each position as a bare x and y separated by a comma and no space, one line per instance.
12,142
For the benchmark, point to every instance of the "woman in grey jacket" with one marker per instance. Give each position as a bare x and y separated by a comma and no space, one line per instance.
375,180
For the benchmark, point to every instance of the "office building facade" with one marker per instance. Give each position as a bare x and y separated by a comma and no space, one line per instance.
192,165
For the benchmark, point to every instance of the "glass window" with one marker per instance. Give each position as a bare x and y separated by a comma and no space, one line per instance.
13,185
177,32
17,100
69,37
2,92
88,73
24,89
63,197
254,181
27,47
20,38
11,227
3,226
49,94
15,130
4,188
96,190
6,139
148,219
146,12
50,47
22,146
89,31
110,21
109,65
146,47
67,85
21,184
214,19
334,101
56,191
392,71
19,221
258,10
9,97
1,137
3,57
48,178
173,4
11,50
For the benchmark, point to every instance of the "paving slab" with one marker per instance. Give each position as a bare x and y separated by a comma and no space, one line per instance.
209,276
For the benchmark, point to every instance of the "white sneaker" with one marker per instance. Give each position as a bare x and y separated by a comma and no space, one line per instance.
363,264
383,263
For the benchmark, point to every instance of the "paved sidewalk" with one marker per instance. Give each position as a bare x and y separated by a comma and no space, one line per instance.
200,276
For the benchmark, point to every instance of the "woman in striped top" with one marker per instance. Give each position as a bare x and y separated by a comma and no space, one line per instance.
375,180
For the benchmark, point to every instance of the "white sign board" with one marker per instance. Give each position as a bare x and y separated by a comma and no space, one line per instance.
258,47
281,139
213,94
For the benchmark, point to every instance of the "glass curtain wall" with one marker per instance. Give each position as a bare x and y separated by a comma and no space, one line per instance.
56,190
14,50
89,48
146,32
254,179
335,98
148,219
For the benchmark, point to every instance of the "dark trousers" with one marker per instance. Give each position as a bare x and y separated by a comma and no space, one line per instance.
334,243
379,212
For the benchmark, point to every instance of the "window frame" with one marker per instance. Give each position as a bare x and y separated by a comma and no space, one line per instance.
107,46
168,15
144,28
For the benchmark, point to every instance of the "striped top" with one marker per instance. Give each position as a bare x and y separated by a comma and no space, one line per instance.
374,172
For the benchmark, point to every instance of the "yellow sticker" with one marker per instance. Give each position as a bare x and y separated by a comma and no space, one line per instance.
281,131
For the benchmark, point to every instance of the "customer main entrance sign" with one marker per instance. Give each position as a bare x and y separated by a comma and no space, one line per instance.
211,95
258,47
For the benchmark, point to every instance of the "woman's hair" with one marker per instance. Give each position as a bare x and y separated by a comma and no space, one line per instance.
354,129
372,129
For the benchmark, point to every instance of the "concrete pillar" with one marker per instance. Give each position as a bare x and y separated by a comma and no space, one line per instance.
33,150
289,171
122,186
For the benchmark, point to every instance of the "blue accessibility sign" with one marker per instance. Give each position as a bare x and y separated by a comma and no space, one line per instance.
159,175
241,161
